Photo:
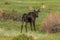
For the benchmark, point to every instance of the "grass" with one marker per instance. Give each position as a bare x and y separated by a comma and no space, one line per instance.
34,35
10,29
51,37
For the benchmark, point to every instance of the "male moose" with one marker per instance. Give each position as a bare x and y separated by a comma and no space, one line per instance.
30,18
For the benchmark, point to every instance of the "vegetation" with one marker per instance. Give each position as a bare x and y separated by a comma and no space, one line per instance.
51,22
9,30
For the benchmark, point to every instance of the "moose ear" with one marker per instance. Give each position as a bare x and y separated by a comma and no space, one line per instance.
38,10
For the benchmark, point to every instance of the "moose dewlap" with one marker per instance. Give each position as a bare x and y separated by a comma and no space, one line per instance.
51,23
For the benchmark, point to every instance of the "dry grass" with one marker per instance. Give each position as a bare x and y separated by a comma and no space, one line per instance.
1,13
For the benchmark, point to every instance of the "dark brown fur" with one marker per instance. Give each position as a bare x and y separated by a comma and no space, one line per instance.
29,18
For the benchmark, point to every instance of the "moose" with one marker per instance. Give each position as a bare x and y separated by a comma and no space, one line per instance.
30,18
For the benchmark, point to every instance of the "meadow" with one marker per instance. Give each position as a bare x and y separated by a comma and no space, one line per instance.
10,30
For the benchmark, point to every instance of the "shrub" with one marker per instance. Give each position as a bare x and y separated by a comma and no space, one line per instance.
6,3
15,15
12,15
51,23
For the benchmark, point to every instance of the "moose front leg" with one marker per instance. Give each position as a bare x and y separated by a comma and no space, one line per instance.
31,25
34,25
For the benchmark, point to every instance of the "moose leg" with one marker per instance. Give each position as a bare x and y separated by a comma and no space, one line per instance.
22,26
34,25
31,25
26,26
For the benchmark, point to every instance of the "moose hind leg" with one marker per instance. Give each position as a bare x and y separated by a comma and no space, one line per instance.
22,26
31,25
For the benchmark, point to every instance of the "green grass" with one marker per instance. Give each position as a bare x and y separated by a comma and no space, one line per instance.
33,35
51,37
10,29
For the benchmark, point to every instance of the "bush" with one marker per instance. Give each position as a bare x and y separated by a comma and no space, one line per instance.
23,37
12,15
15,15
6,3
51,23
